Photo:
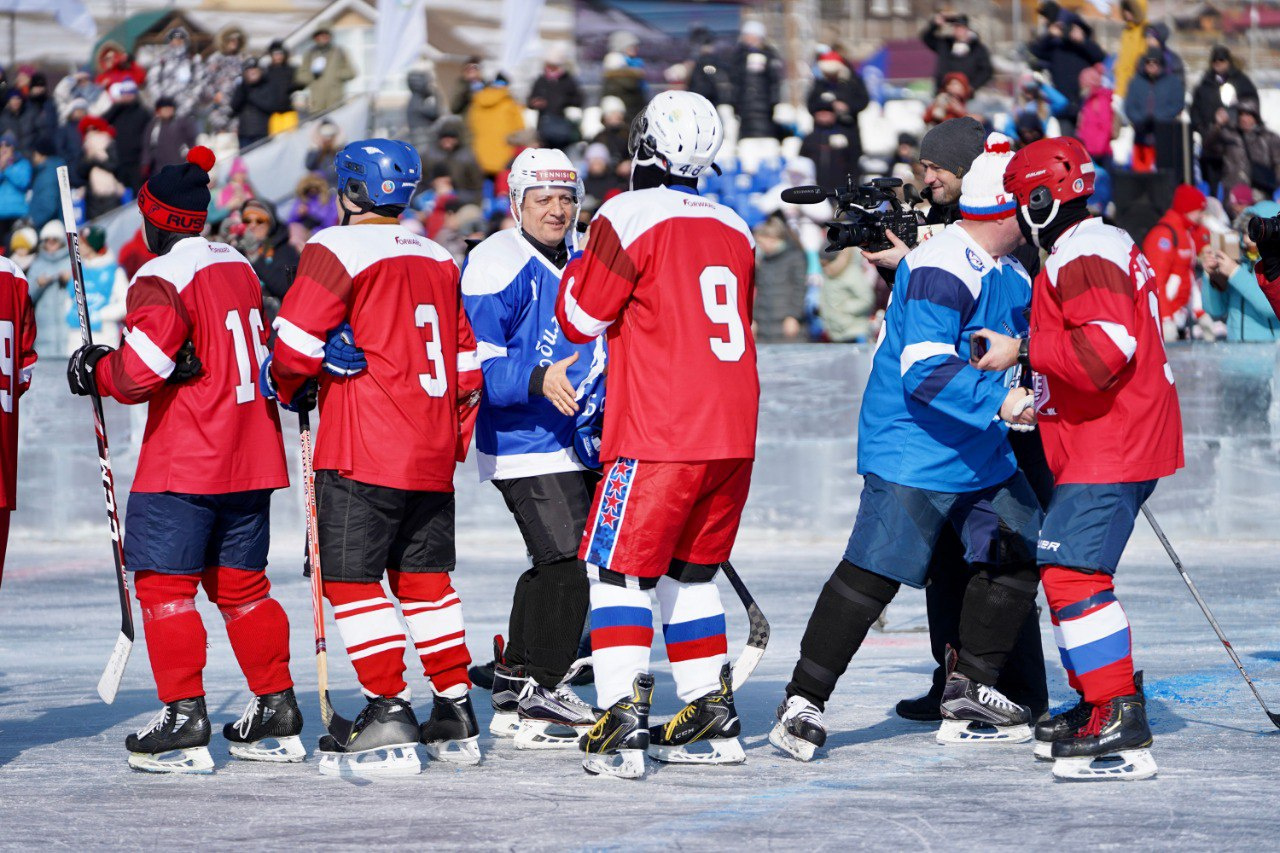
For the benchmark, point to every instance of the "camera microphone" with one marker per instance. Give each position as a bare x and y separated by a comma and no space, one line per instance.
805,195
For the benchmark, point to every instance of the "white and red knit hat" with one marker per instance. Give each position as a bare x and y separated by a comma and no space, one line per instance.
982,192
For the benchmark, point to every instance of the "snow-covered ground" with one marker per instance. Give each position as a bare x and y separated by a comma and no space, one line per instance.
881,783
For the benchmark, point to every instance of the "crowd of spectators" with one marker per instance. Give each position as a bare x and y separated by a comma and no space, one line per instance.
116,122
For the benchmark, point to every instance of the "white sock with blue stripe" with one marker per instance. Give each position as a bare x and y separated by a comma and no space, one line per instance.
693,627
621,636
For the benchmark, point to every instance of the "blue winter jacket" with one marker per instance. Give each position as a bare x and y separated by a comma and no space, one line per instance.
44,191
14,183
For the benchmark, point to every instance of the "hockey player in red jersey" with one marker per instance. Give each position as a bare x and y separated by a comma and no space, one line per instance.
398,371
1108,412
17,360
199,509
670,276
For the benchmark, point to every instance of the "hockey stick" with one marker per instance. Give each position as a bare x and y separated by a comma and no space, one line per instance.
109,683
317,583
1204,608
757,635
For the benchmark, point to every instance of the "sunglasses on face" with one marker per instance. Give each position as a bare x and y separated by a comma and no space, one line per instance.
255,220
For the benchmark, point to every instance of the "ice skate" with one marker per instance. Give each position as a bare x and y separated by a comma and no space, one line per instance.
616,744
800,729
382,742
175,741
507,684
1112,745
481,674
452,734
976,713
704,732
1066,724
552,719
268,729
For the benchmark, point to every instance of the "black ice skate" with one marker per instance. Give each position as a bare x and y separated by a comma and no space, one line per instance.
552,719
1067,723
481,674
452,734
175,741
268,729
800,729
508,682
704,732
1112,745
616,744
922,709
976,713
382,742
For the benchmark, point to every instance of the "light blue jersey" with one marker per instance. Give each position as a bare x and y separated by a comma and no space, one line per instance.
509,290
929,419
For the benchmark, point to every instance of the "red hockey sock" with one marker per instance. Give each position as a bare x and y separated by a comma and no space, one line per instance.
434,614
1092,631
176,640
372,633
256,626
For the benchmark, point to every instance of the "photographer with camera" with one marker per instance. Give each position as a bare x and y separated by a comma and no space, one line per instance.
1265,234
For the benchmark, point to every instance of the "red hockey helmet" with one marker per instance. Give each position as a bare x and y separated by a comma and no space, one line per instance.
1050,170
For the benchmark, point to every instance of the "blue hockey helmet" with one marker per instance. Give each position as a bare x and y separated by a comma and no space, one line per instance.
378,172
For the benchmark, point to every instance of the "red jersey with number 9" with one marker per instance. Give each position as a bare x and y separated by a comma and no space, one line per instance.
1105,399
17,360
671,276
215,433
395,424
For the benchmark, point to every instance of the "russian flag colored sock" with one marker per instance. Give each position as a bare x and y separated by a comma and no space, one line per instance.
1093,632
621,636
693,627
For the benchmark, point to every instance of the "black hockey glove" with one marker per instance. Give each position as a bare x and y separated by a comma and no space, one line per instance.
187,365
80,369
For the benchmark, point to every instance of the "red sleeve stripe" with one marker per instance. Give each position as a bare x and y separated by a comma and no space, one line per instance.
150,354
298,339
468,361
584,323
1093,273
1094,364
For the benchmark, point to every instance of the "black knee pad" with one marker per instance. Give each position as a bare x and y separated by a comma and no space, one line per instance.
996,604
554,608
865,590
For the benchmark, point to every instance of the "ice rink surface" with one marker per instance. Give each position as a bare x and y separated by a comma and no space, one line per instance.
881,783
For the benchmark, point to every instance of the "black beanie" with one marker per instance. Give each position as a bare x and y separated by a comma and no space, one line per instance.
954,144
177,197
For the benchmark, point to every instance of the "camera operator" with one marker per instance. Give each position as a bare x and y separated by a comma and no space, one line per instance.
1266,234
947,152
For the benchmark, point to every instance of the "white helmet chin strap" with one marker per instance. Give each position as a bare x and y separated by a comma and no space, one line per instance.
1025,212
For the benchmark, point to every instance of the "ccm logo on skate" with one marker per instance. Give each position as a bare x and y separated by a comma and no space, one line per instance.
1046,545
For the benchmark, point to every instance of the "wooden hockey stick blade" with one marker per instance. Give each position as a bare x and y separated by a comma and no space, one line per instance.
109,683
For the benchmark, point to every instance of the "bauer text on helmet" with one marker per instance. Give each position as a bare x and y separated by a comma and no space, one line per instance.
680,131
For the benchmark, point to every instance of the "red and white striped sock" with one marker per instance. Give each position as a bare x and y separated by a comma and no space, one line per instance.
433,612
372,633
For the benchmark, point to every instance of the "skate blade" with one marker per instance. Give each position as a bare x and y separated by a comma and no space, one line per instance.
541,734
720,751
504,724
970,731
797,748
194,759
385,761
623,764
456,751
286,750
1043,750
1127,765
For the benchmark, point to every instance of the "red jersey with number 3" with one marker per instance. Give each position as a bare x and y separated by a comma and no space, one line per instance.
671,276
395,424
1106,403
215,433
17,360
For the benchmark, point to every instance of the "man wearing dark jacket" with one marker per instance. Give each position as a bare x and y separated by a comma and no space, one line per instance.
1067,48
554,92
130,119
265,243
45,201
834,148
755,73
1222,87
168,138
958,49
253,102
840,89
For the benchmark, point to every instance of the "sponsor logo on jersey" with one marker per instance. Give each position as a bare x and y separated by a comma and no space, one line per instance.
688,202
407,241
1046,545
566,175
219,248
974,261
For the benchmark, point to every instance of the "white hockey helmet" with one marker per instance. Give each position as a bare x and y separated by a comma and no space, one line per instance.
542,167
678,130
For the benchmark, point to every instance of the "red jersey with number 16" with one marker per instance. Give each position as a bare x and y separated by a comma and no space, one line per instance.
215,433
395,424
671,276
17,360
1105,399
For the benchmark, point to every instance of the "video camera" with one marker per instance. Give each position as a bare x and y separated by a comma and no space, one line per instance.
864,213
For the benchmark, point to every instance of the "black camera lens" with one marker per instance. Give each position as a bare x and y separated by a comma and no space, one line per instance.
1263,230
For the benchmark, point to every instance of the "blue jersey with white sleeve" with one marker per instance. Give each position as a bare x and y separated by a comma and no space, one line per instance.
930,419
509,291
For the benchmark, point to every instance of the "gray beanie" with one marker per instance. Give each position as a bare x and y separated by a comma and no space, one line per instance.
954,144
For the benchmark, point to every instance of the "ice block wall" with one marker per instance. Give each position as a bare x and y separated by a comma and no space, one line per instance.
805,478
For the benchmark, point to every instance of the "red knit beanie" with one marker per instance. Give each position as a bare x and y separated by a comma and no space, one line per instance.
177,197
1188,199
